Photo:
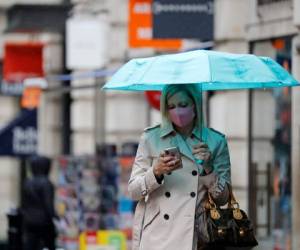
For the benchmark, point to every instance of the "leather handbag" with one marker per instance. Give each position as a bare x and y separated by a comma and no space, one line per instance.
225,227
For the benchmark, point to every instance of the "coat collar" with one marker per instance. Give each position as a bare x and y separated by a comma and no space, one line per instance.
168,132
167,129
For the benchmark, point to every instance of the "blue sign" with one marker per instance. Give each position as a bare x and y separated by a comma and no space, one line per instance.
183,19
19,137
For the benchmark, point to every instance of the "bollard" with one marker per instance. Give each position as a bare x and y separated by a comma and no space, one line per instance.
14,231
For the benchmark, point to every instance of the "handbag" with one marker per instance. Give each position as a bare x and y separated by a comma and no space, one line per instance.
225,227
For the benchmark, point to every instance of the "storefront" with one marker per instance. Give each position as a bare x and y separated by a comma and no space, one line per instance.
270,173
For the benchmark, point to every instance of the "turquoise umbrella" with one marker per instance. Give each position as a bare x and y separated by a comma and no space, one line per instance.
210,70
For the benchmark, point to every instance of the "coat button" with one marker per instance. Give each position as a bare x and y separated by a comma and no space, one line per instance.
193,194
194,172
167,194
166,217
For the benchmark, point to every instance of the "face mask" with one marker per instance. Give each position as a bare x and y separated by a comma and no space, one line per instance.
182,116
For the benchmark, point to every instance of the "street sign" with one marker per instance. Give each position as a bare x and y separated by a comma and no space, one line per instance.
183,19
140,28
19,137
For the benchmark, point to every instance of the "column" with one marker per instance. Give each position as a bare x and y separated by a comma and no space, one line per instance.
296,146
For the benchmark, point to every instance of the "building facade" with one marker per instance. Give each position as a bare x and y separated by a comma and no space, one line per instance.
265,138
263,27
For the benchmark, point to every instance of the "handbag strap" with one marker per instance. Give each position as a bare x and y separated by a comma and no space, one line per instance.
231,199
214,213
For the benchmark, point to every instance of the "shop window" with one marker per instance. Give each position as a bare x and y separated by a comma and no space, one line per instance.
273,170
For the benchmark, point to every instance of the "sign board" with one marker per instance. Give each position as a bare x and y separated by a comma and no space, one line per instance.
32,92
102,240
19,137
140,28
21,60
87,43
183,19
31,97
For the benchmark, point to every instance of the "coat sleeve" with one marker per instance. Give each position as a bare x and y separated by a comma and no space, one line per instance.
142,180
217,182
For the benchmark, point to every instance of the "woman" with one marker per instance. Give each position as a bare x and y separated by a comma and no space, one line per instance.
172,190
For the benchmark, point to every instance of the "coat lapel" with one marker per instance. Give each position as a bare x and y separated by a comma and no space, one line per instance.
183,147
173,139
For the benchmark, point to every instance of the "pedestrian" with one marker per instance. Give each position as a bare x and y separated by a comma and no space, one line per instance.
172,189
38,206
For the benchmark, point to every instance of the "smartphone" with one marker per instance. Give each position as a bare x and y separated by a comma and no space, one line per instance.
174,151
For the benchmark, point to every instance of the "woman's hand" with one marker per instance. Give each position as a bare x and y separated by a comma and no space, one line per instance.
166,164
202,152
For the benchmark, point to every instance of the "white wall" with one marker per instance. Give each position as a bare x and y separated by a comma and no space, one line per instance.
270,20
296,13
49,125
126,116
9,190
229,115
9,167
228,109
230,19
2,28
50,113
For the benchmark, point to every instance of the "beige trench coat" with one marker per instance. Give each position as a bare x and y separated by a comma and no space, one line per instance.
165,214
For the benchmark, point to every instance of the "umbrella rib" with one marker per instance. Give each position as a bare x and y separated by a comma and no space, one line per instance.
150,65
271,71
209,65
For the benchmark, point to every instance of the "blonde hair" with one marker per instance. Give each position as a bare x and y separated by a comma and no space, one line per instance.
192,91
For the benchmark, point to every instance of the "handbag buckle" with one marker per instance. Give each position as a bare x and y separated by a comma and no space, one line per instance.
237,214
214,214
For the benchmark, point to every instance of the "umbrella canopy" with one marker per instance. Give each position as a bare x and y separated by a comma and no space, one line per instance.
210,70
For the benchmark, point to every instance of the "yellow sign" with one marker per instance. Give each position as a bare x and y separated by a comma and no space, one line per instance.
103,240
